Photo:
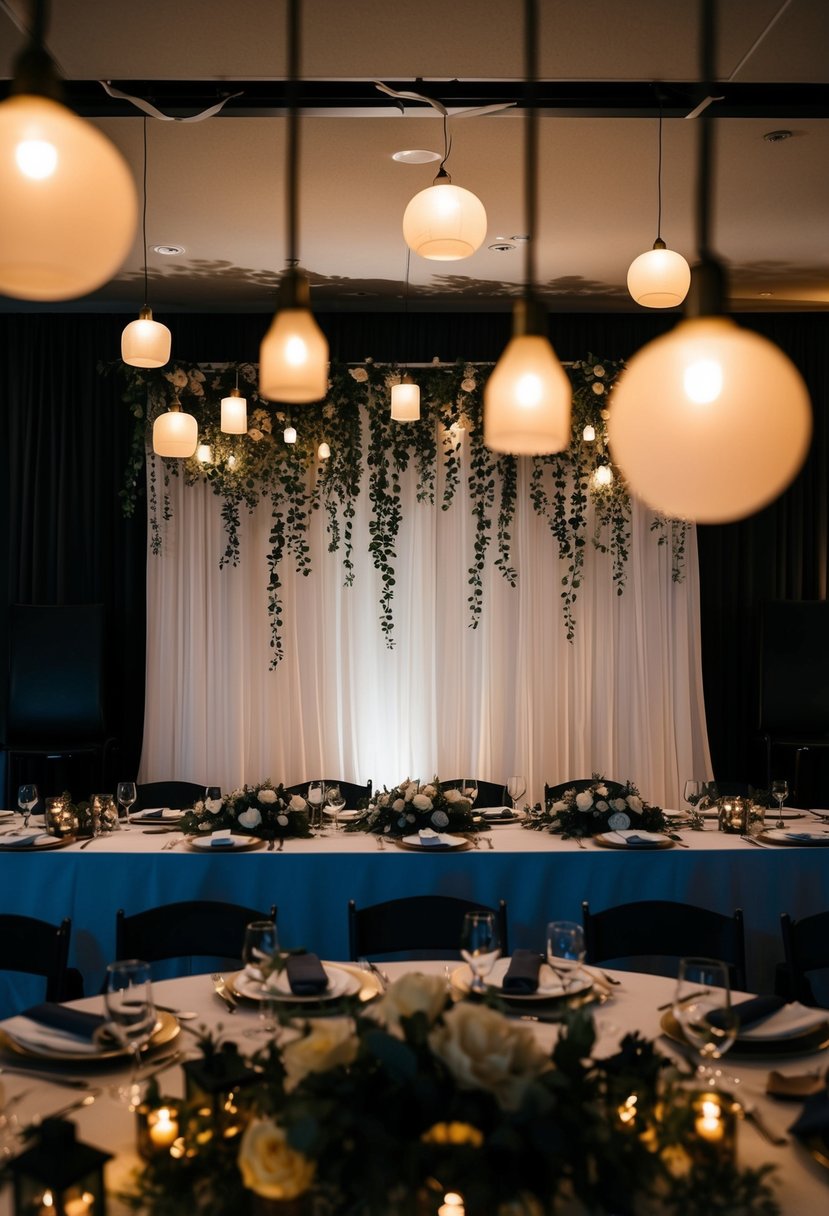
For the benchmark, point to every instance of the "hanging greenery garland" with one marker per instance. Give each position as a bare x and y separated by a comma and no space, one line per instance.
244,470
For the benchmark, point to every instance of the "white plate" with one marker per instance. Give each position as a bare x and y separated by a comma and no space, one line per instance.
549,986
794,836
445,841
43,841
633,838
344,816
506,821
168,815
238,844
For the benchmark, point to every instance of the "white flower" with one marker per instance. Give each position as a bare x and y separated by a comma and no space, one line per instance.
584,800
411,994
410,819
598,388
619,804
205,826
559,806
330,1043
422,802
452,795
601,805
268,1164
429,791
468,385
440,819
255,434
601,790
250,818
618,821
282,820
411,790
360,374
297,803
213,805
267,797
383,800
398,804
598,370
634,803
482,1050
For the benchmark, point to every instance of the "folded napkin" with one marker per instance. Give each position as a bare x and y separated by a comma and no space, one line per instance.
498,812
521,976
306,975
755,1009
630,836
221,840
819,835
429,838
56,1028
814,1118
770,1017
156,812
20,840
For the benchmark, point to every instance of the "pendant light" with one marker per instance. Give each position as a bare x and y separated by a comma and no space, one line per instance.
444,222
660,277
709,422
145,342
405,396
293,356
528,397
175,433
235,411
67,197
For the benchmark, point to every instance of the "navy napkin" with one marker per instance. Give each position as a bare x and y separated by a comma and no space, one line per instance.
813,1120
71,1021
755,1009
157,813
305,975
521,976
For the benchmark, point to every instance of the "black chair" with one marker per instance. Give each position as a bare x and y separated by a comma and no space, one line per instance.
56,691
351,791
553,792
806,949
658,928
174,794
186,930
37,947
490,793
429,925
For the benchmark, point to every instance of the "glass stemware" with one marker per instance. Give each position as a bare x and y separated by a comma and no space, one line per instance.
780,792
128,999
259,951
693,794
127,795
565,949
702,1007
316,801
469,789
515,788
336,801
27,801
480,946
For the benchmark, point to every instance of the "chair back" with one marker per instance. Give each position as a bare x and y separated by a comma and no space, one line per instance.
37,947
806,949
56,666
490,793
428,924
352,791
186,930
553,792
656,928
174,794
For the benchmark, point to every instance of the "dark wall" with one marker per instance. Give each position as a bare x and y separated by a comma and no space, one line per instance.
67,436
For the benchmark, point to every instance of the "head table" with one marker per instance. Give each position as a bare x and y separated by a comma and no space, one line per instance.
542,877
802,1186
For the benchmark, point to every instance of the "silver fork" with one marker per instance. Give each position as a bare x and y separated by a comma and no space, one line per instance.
753,840
488,842
171,843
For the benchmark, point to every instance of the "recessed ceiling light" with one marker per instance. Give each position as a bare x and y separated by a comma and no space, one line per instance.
415,156
776,137
765,295
501,247
519,238
168,251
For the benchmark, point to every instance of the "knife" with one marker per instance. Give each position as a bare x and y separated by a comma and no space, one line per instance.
220,988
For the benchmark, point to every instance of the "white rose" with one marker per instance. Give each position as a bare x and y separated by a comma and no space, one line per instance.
330,1043
267,797
482,1050
601,805
282,820
411,790
634,803
468,385
297,803
440,819
268,1164
250,818
411,994
398,805
598,389
205,826
601,790
383,800
584,800
213,805
422,802
619,804
360,374
452,795
429,791
598,370
559,806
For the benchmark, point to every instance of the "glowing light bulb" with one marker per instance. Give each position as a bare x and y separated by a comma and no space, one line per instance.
37,158
703,381
296,352
602,476
289,434
589,434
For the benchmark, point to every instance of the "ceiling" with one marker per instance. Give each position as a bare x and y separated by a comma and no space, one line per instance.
216,187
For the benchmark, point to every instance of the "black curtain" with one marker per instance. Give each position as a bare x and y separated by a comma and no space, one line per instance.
67,437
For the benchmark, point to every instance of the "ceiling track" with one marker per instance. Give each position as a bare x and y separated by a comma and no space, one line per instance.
361,99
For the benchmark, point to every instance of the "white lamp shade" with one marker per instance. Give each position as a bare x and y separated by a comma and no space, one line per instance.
527,400
710,422
234,414
293,359
323,451
405,402
659,278
444,223
289,434
175,434
145,342
204,453
67,202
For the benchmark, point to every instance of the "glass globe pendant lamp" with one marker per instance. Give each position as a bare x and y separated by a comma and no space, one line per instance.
444,222
145,342
234,418
175,433
660,277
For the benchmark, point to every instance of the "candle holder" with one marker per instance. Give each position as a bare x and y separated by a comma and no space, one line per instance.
213,1084
733,815
158,1126
59,1176
714,1116
60,817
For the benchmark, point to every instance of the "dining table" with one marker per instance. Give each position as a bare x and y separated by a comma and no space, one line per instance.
635,1002
540,875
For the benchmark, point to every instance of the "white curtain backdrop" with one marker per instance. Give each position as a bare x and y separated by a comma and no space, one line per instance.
513,696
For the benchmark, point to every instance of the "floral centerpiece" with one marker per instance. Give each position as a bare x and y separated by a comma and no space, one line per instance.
262,810
598,808
409,808
390,1110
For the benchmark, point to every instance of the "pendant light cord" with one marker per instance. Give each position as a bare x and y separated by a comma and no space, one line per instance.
447,145
292,155
659,178
144,218
706,135
40,20
407,342
530,143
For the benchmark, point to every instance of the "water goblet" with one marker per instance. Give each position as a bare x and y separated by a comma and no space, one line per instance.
316,801
27,796
780,792
127,795
259,952
702,1007
469,789
693,795
336,802
565,949
480,946
131,1017
515,788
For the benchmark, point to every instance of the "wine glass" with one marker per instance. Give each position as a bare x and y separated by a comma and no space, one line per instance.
693,795
480,946
316,801
126,794
780,792
128,1000
469,789
565,949
515,789
702,1006
259,949
336,801
27,796
213,798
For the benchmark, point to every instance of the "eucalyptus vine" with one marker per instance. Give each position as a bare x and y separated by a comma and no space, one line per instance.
354,420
